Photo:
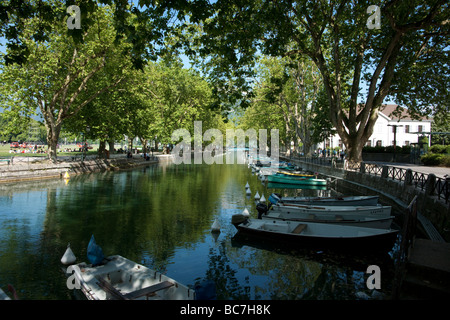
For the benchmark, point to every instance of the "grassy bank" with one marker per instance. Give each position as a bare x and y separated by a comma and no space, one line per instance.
4,151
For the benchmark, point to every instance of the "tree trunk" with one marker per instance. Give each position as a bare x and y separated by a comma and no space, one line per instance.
102,149
111,146
53,132
144,145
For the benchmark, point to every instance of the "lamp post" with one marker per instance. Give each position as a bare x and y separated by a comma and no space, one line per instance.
395,136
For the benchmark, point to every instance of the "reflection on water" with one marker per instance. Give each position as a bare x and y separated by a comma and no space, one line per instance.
161,216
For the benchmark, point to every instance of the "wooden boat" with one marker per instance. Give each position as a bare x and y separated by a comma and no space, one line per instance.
275,185
295,174
296,180
346,220
328,201
369,211
318,234
120,278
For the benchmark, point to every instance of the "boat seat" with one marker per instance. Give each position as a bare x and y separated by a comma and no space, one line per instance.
339,217
147,291
298,229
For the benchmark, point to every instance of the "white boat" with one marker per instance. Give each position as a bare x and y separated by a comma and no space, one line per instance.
327,201
342,219
378,211
120,278
318,234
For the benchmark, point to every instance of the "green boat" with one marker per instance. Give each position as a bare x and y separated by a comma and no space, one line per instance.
276,185
296,180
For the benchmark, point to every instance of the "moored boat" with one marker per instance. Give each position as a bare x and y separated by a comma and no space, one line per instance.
344,219
296,180
369,211
329,201
123,279
318,234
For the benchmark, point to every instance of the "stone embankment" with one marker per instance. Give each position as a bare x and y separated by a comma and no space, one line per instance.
22,171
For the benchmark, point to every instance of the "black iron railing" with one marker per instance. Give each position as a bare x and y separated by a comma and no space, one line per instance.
438,186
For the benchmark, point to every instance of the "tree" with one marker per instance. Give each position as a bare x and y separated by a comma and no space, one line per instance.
60,77
413,38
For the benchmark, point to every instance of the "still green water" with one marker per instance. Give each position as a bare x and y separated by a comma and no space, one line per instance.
161,216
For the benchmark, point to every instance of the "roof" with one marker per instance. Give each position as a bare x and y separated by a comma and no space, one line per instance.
389,111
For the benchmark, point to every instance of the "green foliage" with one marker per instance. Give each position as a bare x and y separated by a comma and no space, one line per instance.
435,159
437,148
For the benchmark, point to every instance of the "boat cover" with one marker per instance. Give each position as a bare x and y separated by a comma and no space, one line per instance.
94,252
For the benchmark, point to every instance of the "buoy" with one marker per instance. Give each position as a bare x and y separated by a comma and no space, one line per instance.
66,175
68,257
262,198
248,191
215,226
245,213
257,196
247,185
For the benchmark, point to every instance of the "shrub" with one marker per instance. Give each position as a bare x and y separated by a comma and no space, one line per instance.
432,159
438,148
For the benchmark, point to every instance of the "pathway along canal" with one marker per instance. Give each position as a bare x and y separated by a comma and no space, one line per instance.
161,216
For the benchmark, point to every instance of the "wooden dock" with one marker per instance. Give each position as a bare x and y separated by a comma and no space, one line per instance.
423,267
427,270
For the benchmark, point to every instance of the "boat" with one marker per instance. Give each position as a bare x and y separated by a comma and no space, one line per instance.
369,211
281,178
295,174
119,278
329,201
321,235
275,185
348,219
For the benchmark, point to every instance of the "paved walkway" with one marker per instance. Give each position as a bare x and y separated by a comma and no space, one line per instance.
440,172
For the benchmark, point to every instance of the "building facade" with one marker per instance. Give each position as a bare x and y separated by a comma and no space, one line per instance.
390,129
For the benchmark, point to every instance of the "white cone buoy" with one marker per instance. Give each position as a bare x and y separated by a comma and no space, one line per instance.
215,226
257,196
262,198
68,257
247,185
248,191
245,213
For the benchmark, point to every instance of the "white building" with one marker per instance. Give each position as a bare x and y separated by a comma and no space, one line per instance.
408,129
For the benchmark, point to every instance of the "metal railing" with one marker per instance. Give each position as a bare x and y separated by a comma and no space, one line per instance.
438,186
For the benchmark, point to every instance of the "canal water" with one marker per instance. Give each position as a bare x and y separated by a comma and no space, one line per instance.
161,216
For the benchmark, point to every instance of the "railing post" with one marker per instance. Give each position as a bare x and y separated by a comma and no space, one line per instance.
362,168
408,177
385,172
430,184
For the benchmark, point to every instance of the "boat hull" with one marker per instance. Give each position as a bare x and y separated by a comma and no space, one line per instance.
366,222
347,212
328,201
296,180
324,236
127,277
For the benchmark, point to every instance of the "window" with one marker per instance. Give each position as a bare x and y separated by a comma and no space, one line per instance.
407,128
406,143
379,143
420,128
369,143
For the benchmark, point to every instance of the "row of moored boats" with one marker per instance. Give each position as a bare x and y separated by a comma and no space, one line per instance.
347,223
